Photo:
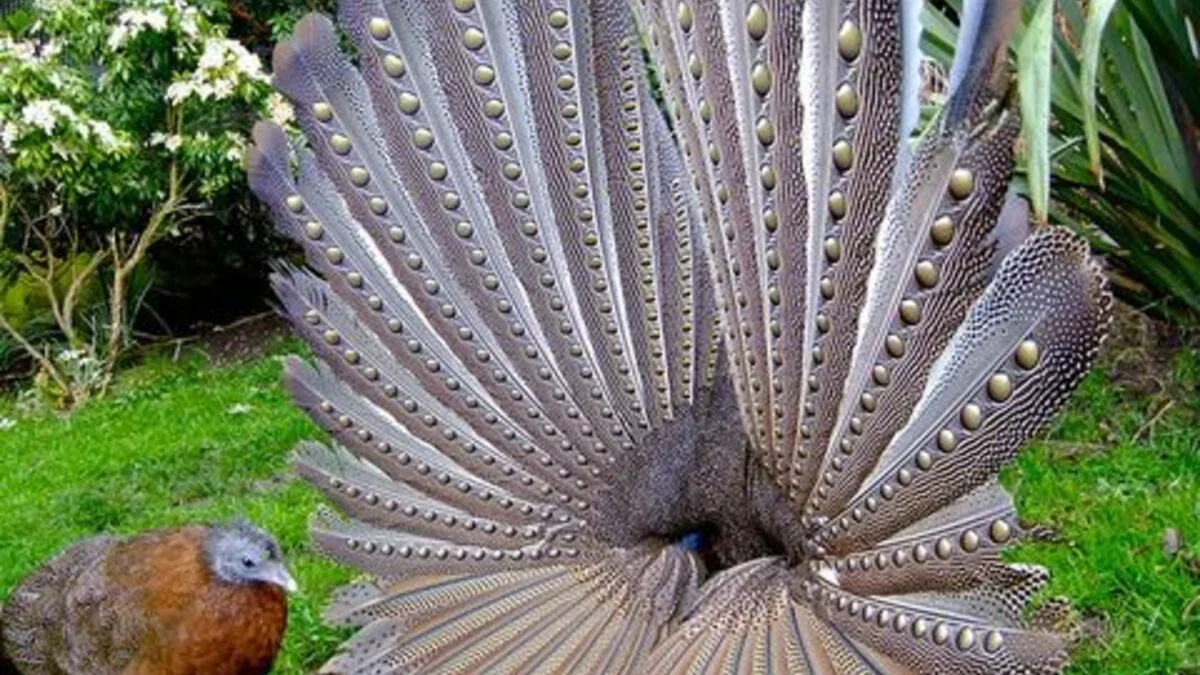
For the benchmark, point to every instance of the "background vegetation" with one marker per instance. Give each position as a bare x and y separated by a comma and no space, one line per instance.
122,127
1111,111
122,124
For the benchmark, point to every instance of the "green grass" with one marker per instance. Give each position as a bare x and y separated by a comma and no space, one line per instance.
1110,499
170,446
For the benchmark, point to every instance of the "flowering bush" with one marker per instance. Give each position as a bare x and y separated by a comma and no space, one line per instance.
122,122
99,98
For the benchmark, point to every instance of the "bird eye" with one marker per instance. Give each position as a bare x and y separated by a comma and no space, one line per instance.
247,563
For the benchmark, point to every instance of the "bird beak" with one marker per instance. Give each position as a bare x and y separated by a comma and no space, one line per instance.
281,578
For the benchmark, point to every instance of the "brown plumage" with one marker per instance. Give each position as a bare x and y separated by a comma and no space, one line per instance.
187,601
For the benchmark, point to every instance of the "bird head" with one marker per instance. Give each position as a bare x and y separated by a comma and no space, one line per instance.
240,553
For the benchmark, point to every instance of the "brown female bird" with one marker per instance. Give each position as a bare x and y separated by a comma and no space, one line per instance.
186,601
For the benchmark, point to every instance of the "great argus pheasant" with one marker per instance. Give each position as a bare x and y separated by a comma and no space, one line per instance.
719,384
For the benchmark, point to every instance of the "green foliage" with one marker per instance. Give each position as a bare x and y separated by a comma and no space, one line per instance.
26,301
122,122
99,98
1034,56
281,16
1122,139
1118,472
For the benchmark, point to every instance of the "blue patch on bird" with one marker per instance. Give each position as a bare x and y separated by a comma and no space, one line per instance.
693,541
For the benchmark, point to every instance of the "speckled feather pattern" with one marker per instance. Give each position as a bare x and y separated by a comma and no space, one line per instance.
559,326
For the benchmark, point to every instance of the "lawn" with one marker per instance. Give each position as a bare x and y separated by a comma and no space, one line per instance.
182,440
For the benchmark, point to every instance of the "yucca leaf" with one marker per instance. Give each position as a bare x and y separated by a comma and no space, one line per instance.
1035,61
1098,12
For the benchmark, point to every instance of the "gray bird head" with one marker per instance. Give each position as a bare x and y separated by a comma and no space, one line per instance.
240,553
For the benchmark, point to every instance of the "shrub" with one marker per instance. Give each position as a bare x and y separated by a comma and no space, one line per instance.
120,124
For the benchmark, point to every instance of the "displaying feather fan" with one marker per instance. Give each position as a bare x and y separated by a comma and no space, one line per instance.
718,389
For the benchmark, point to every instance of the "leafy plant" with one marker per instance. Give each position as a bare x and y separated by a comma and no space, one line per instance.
120,121
1118,133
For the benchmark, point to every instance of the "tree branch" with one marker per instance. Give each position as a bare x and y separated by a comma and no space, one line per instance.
124,267
41,359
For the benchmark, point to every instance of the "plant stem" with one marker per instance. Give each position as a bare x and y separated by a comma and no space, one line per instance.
123,269
41,359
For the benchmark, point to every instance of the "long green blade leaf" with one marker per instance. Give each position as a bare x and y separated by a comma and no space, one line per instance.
1035,61
1098,13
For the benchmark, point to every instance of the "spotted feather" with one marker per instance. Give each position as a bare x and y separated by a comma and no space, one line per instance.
650,339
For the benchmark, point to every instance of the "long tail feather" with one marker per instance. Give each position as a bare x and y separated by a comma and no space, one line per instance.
934,256
1021,350
562,336
511,621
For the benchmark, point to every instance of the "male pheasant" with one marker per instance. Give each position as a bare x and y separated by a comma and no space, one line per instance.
716,386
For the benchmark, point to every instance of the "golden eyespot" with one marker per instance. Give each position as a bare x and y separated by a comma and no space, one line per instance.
962,184
756,21
849,41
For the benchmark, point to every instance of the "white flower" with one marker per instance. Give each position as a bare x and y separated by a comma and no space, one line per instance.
22,51
189,23
117,37
51,49
248,63
179,91
155,19
213,56
30,52
131,22
237,147
6,423
45,114
8,136
223,65
39,116
105,136
281,110
223,88
170,141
